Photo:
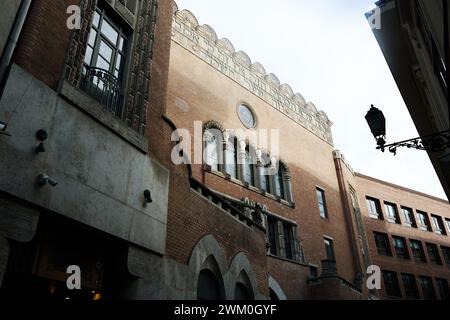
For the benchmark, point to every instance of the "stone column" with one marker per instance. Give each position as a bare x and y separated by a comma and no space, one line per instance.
241,153
287,178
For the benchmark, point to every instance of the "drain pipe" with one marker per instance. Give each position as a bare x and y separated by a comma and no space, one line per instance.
13,38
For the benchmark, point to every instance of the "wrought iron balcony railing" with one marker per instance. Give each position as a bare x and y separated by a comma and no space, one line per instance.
104,87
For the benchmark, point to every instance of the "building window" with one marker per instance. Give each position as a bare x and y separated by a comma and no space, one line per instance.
213,154
249,168
391,285
329,249
246,116
374,208
423,221
447,222
392,214
417,251
433,254
438,224
444,291
283,239
409,217
410,285
322,203
273,235
382,243
427,288
289,246
446,254
278,183
231,167
401,250
104,61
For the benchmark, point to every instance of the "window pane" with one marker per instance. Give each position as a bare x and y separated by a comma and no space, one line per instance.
88,56
121,43
96,19
109,32
102,63
105,51
92,36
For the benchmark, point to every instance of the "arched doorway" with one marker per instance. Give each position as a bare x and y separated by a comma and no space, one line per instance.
243,289
208,287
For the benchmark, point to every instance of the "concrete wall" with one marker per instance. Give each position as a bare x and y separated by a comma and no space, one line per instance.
7,17
101,175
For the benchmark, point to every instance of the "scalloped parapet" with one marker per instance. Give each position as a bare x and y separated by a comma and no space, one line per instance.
202,41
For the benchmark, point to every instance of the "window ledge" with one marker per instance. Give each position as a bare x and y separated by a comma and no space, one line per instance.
89,105
374,216
208,169
288,260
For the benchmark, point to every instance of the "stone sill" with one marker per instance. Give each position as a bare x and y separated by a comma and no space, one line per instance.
89,105
373,216
288,260
251,188
200,196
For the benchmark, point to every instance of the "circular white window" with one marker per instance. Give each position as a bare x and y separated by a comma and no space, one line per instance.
247,117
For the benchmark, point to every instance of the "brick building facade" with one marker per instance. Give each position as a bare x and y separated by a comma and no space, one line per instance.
89,137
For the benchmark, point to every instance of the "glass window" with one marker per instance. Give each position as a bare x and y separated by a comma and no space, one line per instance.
444,291
329,249
427,288
410,285
246,116
249,176
288,240
417,251
213,146
104,50
391,210
231,158
278,183
447,221
382,244
374,208
322,204
438,224
400,247
424,222
409,217
446,254
433,253
273,235
391,285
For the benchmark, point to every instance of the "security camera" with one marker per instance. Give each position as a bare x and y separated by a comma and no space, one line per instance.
44,179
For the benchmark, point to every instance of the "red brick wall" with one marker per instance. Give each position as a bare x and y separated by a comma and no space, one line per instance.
43,44
291,277
209,95
403,197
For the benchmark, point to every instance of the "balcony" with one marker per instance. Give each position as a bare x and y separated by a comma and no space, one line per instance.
329,267
104,87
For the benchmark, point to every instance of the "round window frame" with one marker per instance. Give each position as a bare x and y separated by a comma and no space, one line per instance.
255,118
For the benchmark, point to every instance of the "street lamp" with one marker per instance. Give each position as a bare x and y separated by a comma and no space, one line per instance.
436,142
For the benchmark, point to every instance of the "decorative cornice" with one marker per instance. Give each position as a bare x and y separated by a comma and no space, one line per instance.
202,41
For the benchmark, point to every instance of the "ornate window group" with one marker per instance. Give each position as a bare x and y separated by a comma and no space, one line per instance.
238,160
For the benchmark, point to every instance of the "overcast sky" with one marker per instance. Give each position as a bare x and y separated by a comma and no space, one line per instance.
326,51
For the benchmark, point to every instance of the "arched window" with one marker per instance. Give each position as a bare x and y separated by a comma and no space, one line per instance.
208,287
249,167
278,184
213,152
263,170
231,167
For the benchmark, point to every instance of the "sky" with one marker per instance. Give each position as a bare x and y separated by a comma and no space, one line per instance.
326,51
